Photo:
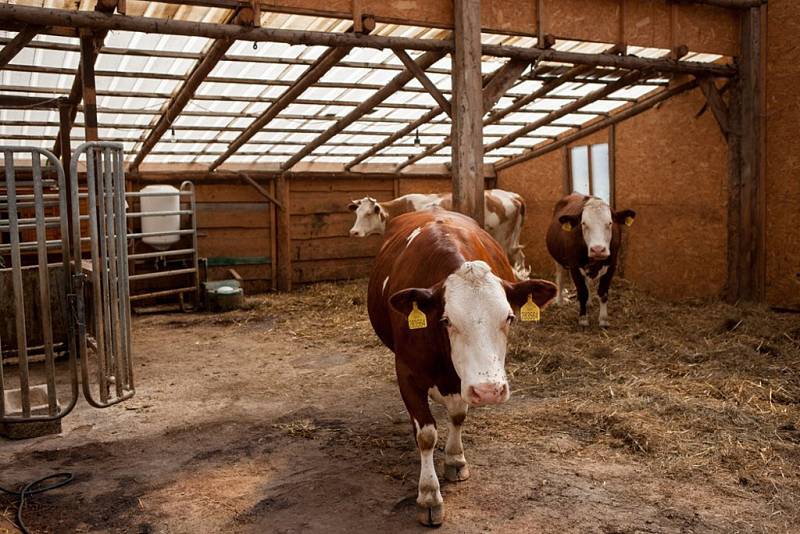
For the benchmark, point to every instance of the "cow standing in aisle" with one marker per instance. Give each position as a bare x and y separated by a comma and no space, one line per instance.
442,297
584,238
504,215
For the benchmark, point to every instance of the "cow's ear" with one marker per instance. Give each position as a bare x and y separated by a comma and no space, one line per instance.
625,217
403,301
542,291
353,206
568,222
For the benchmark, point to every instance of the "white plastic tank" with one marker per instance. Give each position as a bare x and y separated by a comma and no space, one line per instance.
169,200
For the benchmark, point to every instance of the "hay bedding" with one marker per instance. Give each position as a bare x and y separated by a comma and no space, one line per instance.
697,390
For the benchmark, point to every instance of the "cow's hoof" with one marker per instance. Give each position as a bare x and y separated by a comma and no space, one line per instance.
603,323
456,473
583,321
430,516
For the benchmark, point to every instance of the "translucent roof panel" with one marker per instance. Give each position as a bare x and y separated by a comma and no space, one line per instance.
138,76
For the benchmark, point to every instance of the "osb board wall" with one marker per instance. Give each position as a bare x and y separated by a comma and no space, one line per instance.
233,222
783,154
647,22
672,169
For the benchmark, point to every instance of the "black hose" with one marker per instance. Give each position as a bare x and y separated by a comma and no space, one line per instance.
32,488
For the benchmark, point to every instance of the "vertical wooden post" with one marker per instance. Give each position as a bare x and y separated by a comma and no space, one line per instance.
89,89
273,238
747,213
567,170
467,104
284,267
612,166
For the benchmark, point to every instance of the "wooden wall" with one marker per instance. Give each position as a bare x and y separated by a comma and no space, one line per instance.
234,226
672,169
783,154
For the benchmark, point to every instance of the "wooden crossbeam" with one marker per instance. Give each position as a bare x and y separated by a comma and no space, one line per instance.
715,102
16,45
565,139
425,61
28,102
311,76
502,81
198,75
423,79
563,111
11,14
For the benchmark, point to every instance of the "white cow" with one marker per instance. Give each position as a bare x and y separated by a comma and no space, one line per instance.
504,214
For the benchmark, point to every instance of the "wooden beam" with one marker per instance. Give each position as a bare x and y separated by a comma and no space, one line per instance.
88,58
747,210
467,128
598,94
18,14
311,76
28,102
733,4
423,79
283,272
16,45
261,191
425,61
575,135
502,81
715,102
175,106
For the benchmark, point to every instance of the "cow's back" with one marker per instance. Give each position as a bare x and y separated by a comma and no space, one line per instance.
421,249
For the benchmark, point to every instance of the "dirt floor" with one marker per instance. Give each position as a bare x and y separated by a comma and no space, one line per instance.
285,418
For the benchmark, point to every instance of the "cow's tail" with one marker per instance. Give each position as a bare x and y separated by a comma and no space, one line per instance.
518,257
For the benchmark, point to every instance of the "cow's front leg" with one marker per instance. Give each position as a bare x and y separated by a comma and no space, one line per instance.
602,294
455,464
430,506
583,295
559,284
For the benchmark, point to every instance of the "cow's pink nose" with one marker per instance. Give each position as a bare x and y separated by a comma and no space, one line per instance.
487,393
355,233
598,252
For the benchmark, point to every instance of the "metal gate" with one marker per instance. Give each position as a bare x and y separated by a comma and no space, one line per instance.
63,284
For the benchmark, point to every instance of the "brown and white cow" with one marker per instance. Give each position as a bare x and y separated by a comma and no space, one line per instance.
584,238
447,267
504,217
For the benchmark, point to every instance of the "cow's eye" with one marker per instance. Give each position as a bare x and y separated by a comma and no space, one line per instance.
445,322
511,318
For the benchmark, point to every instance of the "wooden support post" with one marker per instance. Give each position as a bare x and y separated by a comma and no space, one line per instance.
284,266
502,81
273,238
715,102
16,45
88,57
566,164
358,24
467,129
747,213
65,124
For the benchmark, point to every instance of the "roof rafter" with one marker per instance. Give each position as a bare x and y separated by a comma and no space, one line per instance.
16,44
198,75
426,60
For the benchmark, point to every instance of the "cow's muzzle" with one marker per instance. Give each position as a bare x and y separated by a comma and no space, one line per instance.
488,393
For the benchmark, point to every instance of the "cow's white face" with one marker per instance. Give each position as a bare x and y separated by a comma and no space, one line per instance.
370,218
477,316
597,227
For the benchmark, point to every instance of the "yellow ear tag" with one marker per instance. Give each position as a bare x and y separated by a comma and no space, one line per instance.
567,227
628,221
417,319
529,311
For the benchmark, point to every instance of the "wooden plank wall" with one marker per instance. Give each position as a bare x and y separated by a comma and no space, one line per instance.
234,222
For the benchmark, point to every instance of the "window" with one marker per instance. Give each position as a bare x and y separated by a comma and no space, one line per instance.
589,171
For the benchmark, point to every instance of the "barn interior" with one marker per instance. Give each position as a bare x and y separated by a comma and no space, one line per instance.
271,116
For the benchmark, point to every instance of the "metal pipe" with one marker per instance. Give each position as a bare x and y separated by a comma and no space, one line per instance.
162,274
147,255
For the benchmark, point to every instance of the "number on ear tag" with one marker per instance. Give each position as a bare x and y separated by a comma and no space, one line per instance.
629,221
416,319
567,227
529,311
